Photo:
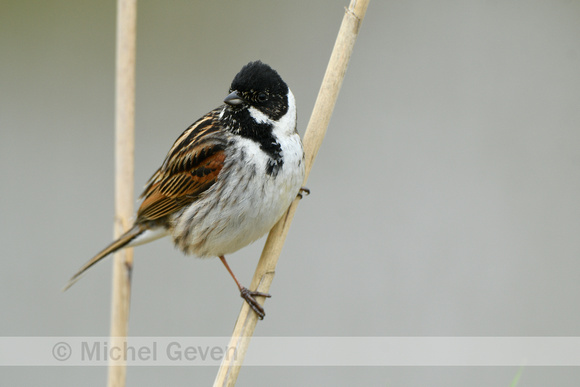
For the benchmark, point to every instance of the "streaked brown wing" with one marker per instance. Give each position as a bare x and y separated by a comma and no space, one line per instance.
191,167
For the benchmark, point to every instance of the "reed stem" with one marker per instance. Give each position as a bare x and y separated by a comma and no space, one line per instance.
315,132
124,181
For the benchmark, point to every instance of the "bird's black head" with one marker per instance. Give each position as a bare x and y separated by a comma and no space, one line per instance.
258,85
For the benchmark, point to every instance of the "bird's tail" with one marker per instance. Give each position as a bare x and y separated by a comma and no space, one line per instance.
118,244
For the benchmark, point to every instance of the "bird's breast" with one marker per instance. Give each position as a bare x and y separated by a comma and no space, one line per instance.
245,202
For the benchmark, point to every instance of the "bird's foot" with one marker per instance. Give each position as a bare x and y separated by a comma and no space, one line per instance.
248,296
303,192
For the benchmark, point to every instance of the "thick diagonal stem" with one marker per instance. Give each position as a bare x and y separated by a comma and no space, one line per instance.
246,323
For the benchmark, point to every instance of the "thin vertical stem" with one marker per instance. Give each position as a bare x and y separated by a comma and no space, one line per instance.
124,180
327,96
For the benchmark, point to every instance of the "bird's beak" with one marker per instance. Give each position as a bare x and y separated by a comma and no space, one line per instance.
233,99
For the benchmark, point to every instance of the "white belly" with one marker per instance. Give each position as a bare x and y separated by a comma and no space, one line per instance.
243,204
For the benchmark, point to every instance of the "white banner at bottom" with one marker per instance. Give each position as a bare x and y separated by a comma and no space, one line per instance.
293,351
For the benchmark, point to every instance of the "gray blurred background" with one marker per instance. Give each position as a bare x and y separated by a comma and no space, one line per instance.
445,198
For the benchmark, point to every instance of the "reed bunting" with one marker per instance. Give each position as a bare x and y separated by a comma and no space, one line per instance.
227,179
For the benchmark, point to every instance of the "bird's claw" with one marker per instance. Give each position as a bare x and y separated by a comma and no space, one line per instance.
248,296
303,192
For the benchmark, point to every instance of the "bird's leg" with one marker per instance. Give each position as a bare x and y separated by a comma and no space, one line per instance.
303,192
246,294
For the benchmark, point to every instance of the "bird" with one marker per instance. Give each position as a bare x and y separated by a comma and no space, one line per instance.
227,179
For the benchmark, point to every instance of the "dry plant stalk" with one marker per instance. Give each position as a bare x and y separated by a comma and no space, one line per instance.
327,96
124,180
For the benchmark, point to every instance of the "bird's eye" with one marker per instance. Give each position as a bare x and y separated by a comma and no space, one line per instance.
262,97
